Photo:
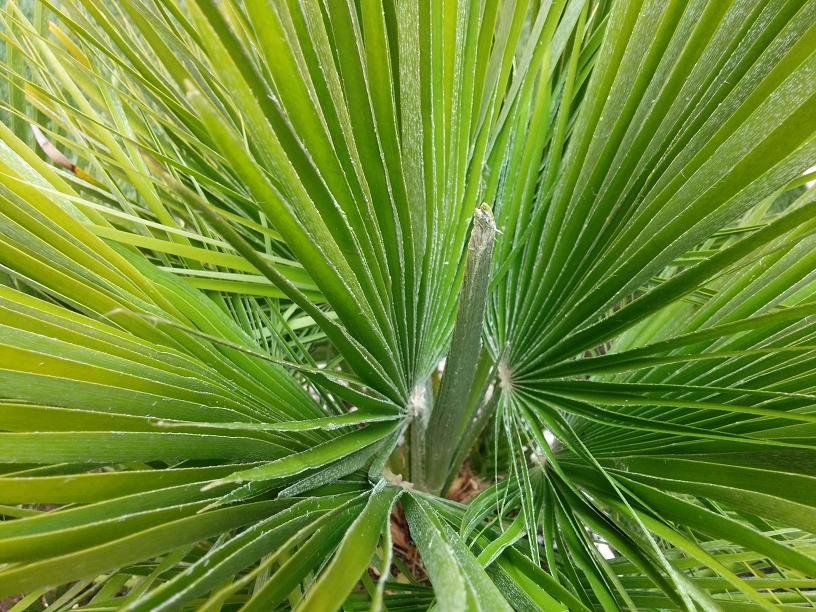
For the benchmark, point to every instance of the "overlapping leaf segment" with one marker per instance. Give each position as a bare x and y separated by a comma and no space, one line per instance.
245,218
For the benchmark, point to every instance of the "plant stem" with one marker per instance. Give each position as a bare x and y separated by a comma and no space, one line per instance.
447,419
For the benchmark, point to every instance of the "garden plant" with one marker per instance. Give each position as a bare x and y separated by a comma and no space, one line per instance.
407,305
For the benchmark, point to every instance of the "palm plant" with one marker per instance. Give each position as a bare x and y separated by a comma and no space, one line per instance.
396,305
